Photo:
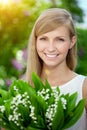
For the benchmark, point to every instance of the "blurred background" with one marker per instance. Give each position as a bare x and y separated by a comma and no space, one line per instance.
17,18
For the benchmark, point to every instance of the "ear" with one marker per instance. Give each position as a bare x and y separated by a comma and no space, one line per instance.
73,41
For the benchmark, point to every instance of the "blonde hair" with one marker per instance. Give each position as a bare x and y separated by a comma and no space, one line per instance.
49,20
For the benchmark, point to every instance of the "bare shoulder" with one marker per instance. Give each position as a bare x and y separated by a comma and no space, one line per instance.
85,88
85,91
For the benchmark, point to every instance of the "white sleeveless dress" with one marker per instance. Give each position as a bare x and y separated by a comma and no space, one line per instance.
75,85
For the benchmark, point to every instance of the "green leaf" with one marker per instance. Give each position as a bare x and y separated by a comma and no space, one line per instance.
51,100
59,117
8,107
13,126
25,114
41,122
76,114
71,102
32,128
22,87
41,105
9,125
37,82
58,90
40,111
47,86
4,94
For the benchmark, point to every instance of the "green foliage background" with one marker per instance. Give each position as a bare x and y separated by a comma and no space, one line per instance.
16,22
82,51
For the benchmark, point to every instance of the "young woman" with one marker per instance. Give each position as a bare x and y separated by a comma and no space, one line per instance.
52,55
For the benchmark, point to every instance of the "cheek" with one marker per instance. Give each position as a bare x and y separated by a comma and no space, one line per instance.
40,47
64,48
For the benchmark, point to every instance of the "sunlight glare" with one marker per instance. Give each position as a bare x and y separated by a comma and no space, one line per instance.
4,2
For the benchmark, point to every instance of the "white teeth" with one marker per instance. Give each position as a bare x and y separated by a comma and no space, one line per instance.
51,56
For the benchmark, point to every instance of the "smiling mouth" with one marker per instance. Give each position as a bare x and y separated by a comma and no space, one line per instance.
51,55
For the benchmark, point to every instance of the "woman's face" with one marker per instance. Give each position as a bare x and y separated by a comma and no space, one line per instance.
52,47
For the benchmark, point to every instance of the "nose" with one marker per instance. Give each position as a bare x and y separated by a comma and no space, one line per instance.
51,47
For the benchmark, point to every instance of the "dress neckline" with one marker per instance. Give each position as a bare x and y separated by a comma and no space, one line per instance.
63,85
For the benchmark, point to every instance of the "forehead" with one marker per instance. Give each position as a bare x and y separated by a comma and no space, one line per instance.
60,31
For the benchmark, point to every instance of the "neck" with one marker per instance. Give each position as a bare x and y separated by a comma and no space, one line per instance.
56,75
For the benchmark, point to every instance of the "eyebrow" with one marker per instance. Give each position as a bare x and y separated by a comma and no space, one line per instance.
47,36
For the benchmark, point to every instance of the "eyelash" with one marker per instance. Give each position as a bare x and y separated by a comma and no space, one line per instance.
60,39
42,38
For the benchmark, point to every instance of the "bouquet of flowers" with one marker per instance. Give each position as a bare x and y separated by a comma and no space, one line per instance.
24,107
